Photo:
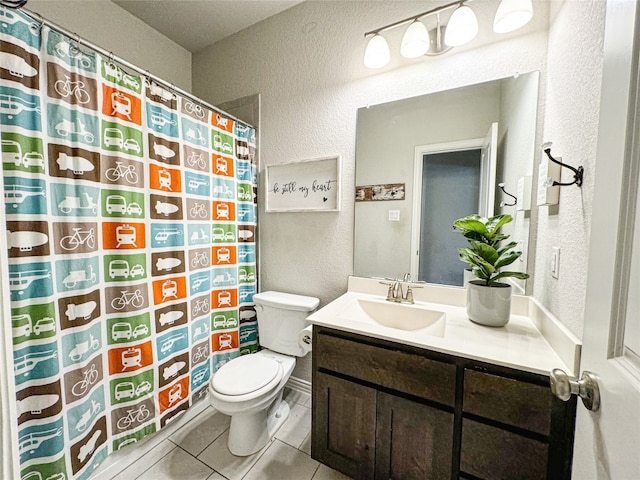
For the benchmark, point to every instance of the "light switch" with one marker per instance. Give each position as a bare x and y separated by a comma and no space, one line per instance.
394,215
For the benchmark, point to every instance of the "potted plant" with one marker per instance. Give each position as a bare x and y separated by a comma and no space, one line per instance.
488,299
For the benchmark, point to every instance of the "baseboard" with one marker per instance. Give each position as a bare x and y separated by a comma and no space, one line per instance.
299,385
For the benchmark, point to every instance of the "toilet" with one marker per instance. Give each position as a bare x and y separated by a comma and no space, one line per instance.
249,388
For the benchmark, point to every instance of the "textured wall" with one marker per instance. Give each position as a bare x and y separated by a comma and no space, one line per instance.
572,104
307,65
116,30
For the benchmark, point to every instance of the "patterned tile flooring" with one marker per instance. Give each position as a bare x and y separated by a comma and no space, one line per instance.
198,451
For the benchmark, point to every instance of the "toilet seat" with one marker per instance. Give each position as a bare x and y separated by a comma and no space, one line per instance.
247,377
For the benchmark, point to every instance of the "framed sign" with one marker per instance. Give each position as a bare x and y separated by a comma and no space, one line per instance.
306,186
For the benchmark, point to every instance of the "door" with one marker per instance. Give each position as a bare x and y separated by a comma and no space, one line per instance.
441,167
399,423
608,441
450,190
489,166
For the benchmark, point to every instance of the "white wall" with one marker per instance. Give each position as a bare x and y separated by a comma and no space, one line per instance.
107,25
307,65
572,105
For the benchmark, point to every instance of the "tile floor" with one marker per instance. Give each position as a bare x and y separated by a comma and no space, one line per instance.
198,451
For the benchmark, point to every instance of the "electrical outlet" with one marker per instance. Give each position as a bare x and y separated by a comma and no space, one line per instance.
394,215
555,262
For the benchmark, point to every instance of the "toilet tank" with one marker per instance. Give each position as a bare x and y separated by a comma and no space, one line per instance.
281,316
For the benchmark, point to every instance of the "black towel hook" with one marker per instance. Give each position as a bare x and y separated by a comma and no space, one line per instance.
503,203
578,172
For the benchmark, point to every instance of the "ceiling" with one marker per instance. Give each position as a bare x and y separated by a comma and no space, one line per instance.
195,24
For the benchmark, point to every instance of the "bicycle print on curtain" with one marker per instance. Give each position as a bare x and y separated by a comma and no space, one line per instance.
131,221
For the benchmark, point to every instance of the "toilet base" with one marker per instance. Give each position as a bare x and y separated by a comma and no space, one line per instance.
249,433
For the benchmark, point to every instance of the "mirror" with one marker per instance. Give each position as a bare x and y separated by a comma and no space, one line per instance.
425,161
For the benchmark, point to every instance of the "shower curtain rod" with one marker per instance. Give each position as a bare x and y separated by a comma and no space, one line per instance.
114,58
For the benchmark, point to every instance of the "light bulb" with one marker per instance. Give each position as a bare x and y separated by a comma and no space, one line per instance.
415,41
462,27
377,53
511,15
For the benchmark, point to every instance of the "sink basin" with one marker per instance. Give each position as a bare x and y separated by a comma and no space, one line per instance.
414,318
400,316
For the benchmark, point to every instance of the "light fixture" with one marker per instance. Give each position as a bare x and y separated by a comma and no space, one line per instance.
461,28
511,15
377,53
437,45
415,41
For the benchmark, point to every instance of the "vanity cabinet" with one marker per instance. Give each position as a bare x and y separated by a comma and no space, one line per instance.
382,410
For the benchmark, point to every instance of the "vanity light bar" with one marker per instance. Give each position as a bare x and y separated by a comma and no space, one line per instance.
414,18
461,29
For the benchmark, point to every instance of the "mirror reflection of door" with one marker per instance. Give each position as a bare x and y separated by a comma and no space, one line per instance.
450,190
451,181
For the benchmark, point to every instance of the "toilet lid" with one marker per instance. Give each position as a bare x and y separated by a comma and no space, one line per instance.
245,374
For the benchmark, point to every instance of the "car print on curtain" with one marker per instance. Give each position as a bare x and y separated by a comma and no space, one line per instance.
131,234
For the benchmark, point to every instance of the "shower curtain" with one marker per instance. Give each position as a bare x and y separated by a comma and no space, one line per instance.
131,248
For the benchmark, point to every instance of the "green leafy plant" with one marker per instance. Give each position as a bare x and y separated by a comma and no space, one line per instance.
487,252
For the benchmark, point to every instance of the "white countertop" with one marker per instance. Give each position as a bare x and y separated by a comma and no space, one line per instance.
520,344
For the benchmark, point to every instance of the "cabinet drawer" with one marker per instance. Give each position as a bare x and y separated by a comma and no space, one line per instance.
509,401
490,453
394,369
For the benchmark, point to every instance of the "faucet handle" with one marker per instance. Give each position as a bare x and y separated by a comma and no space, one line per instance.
409,295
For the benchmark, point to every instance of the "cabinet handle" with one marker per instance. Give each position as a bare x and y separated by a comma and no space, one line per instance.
562,386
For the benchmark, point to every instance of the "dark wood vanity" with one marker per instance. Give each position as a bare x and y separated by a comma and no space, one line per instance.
383,410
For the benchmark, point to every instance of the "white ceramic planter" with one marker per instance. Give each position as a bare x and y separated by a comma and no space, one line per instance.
490,306
467,277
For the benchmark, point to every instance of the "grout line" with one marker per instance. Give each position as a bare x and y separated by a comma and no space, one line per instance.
154,463
209,444
197,459
315,471
272,441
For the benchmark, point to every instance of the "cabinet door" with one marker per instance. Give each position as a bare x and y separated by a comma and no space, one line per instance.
413,440
344,426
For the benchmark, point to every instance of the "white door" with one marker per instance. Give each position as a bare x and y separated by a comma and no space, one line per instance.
489,165
487,193
607,444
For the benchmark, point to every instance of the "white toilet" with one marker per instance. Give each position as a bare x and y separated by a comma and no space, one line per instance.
249,388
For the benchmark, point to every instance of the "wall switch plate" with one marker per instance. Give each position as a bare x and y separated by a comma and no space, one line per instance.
524,194
555,262
394,215
548,172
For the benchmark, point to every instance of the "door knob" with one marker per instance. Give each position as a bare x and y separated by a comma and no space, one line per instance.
562,386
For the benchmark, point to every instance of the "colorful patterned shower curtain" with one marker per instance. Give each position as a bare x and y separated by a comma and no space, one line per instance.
131,223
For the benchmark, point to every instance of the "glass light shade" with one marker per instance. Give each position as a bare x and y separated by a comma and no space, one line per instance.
377,53
511,15
415,41
462,27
